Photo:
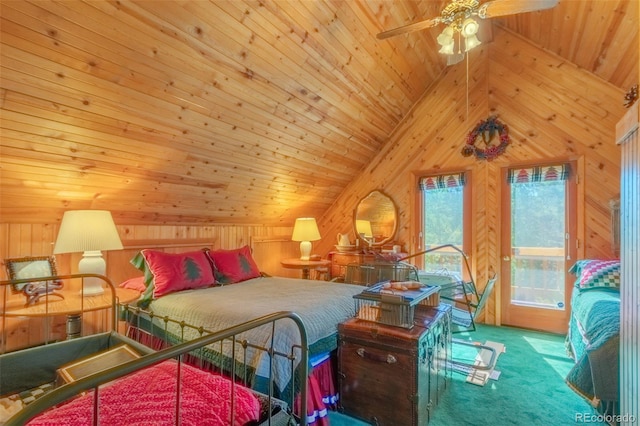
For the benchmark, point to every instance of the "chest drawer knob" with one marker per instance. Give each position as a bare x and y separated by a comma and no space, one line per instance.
389,359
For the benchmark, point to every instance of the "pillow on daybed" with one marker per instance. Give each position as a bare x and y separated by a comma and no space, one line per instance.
136,283
165,273
233,266
597,273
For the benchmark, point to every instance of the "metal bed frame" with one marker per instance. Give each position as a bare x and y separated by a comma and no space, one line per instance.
207,338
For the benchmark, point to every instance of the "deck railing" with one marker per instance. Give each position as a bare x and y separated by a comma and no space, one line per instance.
537,273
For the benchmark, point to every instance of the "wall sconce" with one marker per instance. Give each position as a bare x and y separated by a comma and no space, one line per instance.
305,230
88,231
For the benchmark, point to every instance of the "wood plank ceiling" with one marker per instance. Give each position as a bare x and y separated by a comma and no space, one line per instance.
235,112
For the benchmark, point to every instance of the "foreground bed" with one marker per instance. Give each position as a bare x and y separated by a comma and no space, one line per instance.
321,305
156,388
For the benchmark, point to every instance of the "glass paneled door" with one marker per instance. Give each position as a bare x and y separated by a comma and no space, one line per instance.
537,234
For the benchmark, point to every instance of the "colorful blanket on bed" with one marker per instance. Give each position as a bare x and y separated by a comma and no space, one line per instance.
593,343
148,397
322,305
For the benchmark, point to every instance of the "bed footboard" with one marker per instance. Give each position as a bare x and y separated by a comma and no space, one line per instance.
94,381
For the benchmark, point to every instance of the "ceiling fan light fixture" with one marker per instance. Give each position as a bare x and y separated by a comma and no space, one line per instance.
469,28
470,42
445,39
447,49
446,35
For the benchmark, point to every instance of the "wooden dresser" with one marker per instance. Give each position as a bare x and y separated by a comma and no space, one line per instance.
391,375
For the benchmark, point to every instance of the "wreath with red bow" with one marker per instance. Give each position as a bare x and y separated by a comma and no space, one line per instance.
485,131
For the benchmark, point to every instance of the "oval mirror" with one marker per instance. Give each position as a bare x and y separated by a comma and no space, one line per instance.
375,219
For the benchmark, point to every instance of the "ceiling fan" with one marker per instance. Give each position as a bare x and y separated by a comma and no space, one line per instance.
458,16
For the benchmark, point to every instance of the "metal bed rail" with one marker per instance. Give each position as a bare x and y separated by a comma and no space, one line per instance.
93,381
133,316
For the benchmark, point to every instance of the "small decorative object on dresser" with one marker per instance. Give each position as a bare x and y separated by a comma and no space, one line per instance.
394,376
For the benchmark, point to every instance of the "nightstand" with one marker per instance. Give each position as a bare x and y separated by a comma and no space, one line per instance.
304,265
73,305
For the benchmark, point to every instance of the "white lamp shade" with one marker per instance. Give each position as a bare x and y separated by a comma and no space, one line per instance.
305,229
445,37
469,27
471,42
447,49
87,230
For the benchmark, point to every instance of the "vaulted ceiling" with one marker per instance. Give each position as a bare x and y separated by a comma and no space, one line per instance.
233,111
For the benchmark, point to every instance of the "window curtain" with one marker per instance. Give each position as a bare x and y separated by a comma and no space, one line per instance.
454,180
539,174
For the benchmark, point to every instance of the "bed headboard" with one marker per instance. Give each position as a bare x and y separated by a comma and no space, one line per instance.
119,268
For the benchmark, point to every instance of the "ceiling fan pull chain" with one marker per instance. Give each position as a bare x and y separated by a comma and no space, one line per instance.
467,86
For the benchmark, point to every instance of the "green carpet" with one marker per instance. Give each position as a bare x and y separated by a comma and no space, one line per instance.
530,390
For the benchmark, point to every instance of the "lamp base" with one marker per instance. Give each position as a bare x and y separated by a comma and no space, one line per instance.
92,262
92,289
305,250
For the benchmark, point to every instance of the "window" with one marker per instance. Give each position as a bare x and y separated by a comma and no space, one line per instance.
443,212
539,234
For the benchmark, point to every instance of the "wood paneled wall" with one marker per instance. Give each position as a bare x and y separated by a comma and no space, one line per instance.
554,110
18,240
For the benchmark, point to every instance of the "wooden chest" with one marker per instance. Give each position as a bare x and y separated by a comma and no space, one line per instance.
394,376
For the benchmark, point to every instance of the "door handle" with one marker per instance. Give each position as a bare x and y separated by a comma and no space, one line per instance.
506,258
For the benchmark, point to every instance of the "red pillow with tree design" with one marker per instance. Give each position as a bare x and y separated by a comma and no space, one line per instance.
178,271
233,266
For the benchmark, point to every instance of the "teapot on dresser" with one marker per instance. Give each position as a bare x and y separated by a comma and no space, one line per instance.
343,240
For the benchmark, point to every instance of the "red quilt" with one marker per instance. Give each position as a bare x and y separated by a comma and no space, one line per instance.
148,397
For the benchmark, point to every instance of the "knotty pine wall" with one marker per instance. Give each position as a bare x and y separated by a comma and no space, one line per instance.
21,240
554,110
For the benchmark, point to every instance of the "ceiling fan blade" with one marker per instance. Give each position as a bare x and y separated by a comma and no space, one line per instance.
409,28
495,8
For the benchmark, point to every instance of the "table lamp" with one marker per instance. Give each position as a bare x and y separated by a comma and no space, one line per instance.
305,230
90,232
